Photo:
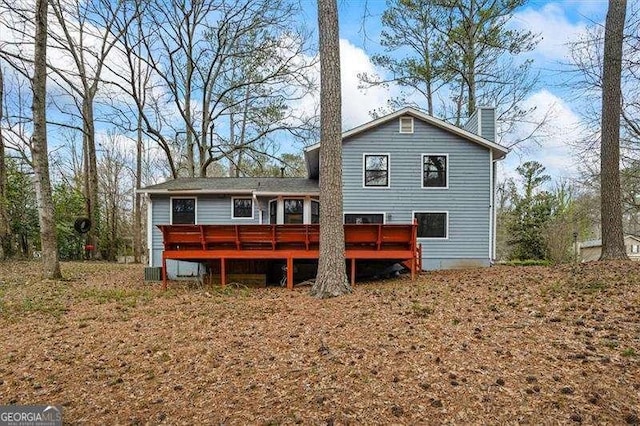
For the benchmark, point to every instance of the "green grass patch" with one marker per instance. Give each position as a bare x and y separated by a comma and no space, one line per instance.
629,352
528,262
124,296
232,289
420,310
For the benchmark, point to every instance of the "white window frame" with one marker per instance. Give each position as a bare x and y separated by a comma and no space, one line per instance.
435,188
405,117
304,207
635,248
446,212
177,197
384,216
233,216
364,170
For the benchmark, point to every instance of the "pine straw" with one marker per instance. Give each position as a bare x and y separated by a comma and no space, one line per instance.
486,346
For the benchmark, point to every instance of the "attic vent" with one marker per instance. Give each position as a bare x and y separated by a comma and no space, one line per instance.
406,124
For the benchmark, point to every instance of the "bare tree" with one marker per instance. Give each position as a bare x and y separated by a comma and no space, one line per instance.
454,55
39,150
85,36
610,195
115,191
5,230
410,24
331,280
222,76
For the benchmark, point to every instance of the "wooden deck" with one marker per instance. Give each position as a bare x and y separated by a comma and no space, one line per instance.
287,242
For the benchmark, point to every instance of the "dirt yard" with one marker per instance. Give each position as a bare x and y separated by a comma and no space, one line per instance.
483,346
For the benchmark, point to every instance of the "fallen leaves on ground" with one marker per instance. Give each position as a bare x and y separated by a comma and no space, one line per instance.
487,346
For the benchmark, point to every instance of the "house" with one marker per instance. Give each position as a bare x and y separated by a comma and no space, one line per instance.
591,250
401,167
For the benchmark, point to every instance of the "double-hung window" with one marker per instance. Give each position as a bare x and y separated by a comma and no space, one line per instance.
435,173
376,171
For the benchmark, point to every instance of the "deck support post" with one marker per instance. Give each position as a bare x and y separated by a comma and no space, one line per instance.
164,272
223,272
353,272
290,273
413,268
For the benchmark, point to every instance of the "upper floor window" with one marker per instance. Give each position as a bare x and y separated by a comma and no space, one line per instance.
435,171
406,124
183,211
635,248
242,208
376,170
432,224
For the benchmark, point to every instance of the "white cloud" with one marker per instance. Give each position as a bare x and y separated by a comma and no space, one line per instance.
554,26
356,103
563,129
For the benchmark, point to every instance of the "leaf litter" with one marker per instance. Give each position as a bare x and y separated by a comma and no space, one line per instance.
486,346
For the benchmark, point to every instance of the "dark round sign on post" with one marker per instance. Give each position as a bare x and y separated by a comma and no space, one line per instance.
82,225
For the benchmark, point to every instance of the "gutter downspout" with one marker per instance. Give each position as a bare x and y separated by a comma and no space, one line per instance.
491,207
149,229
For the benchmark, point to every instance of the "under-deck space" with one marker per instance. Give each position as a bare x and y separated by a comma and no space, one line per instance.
207,243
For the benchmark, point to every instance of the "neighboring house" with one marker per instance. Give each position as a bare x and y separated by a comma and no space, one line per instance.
591,250
403,166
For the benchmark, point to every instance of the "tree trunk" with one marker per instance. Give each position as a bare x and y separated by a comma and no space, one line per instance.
331,280
39,151
137,214
470,59
93,207
610,192
5,230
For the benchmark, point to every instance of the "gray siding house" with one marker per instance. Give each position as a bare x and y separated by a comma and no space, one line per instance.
403,166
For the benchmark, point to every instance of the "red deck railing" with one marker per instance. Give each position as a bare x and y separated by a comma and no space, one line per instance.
362,241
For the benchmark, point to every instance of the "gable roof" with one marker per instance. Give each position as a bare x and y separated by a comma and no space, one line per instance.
499,151
236,185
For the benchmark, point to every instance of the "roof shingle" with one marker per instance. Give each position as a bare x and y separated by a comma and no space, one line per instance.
236,184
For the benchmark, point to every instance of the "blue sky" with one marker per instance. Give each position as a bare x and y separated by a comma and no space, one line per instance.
557,23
